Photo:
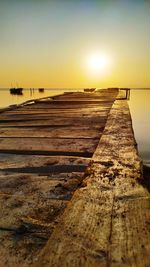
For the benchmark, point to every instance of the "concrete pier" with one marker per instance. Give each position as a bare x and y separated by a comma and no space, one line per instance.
71,184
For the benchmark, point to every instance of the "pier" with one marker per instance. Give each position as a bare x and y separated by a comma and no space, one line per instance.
71,183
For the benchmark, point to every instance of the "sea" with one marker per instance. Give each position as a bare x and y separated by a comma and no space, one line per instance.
139,104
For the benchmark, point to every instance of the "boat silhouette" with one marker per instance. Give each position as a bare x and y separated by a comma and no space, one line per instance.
16,91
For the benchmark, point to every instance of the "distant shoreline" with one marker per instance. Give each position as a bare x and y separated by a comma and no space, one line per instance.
72,88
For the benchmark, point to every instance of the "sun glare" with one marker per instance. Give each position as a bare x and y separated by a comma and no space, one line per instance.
98,62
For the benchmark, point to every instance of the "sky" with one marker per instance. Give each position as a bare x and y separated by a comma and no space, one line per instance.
46,43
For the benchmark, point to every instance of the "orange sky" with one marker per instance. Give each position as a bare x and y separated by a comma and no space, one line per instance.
48,43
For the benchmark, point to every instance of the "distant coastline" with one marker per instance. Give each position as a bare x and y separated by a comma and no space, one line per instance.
73,88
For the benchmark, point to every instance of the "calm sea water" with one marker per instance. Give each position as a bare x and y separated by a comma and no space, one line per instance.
7,99
139,104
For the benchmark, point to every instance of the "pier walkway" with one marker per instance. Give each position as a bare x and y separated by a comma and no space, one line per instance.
70,184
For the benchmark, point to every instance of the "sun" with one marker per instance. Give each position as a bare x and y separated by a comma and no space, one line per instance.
98,62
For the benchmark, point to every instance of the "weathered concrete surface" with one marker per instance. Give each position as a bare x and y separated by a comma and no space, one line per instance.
107,221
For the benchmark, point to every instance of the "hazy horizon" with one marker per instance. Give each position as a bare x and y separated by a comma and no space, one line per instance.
49,43
75,88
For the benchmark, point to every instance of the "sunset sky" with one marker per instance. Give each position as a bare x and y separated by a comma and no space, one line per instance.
45,43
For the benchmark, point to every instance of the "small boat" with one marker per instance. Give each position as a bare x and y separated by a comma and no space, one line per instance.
16,91
41,90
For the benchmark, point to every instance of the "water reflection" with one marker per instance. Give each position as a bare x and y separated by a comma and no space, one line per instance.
140,111
7,99
31,92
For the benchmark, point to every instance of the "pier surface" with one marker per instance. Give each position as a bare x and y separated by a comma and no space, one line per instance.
71,187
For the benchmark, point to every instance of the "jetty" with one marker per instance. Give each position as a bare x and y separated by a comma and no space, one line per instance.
71,183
